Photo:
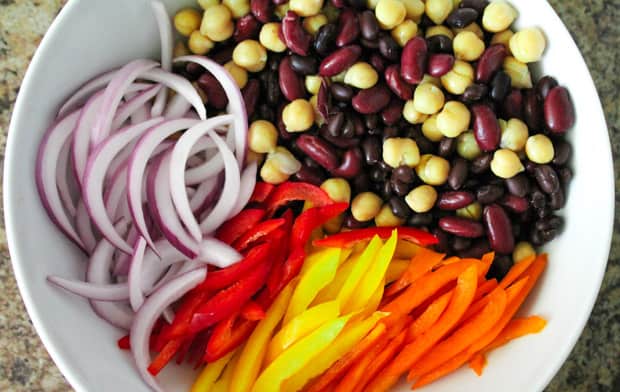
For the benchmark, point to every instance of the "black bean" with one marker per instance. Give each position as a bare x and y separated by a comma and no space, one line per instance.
533,110
399,188
563,151
341,92
439,44
425,145
475,92
481,164
566,175
500,267
384,166
549,235
399,207
500,86
389,48
369,44
371,121
557,200
360,183
420,219
547,179
458,173
462,17
385,190
310,175
444,240
488,194
478,5
265,112
377,175
372,150
544,85
358,124
460,244
518,185
477,249
304,65
368,25
404,174
348,129
359,4
447,146
538,199
536,238
341,141
390,132
335,122
325,40
530,167
552,222
351,223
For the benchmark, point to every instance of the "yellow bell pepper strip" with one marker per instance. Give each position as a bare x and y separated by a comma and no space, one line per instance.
345,254
209,375
313,258
300,326
373,302
251,357
316,277
293,359
223,384
396,269
373,277
357,273
330,292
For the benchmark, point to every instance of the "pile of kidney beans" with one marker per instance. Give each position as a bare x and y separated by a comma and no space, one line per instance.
357,122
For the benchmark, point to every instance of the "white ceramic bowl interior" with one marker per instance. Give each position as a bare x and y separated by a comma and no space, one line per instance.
91,36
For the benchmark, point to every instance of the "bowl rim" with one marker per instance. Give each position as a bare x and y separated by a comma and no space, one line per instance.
66,368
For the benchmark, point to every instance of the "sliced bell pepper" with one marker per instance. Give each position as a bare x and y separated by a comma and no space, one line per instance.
123,343
260,231
421,263
251,357
236,226
262,190
183,315
347,239
330,292
275,279
231,299
373,302
210,374
165,356
291,268
296,191
312,219
406,249
223,384
396,269
362,265
293,359
253,311
227,335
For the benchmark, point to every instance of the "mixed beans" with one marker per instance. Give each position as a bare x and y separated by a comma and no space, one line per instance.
417,113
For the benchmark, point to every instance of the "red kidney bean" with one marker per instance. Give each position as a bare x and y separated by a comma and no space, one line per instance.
251,92
547,179
563,151
518,185
515,204
338,3
322,99
216,96
489,193
490,62
310,175
461,227
223,55
499,229
377,62
439,44
320,151
368,25
396,83
388,47
371,100
544,85
392,112
458,173
325,40
440,64
338,141
474,93
513,105
451,201
351,164
291,85
340,60
533,110
247,27
304,65
478,5
413,60
282,132
349,27
341,92
262,10
559,110
486,128
295,37
462,17
500,86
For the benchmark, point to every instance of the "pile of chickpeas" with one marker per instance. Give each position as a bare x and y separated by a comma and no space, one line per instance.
419,113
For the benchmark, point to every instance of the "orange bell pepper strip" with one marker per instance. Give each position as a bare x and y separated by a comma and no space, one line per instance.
383,358
354,375
477,363
516,271
396,269
461,299
209,375
515,329
406,249
487,260
446,368
361,266
429,317
421,263
485,288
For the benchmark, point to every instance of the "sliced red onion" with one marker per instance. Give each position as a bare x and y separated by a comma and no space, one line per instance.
115,192
177,107
136,296
148,314
84,227
137,165
95,173
248,182
62,178
168,315
122,264
205,193
179,84
85,92
134,104
181,153
236,104
101,292
141,114
166,40
218,253
211,167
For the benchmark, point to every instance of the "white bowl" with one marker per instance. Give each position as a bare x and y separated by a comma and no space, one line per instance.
91,36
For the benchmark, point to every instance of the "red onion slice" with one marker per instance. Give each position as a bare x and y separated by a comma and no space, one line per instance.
85,92
179,84
84,227
166,39
148,314
62,178
131,106
82,135
211,167
101,292
248,182
205,193
177,107
122,264
216,252
141,114
136,296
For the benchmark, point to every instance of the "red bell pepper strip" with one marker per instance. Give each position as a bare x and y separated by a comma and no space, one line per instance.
262,190
292,191
277,271
231,299
347,239
184,349
164,356
123,343
191,301
256,233
197,350
252,311
239,224
227,335
311,219
291,268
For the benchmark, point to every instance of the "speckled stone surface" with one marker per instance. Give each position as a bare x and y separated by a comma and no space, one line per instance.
594,364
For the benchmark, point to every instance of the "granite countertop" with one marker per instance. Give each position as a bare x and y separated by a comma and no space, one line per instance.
594,364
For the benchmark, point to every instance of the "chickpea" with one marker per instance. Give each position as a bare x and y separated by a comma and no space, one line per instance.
361,75
412,115
438,10
217,23
506,163
270,172
318,117
298,116
313,84
285,160
472,28
503,37
522,251
433,170
239,74
306,7
428,98
386,218
312,24
459,78
366,206
539,149
252,156
404,32
390,13
208,3
180,49
432,80
528,45
519,73
514,134
467,46
467,146
270,38
400,151
187,21
453,119
251,55
331,12
415,9
338,189
498,16
372,4
421,199
472,211
199,44
439,30
262,136
238,8
281,10
430,129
